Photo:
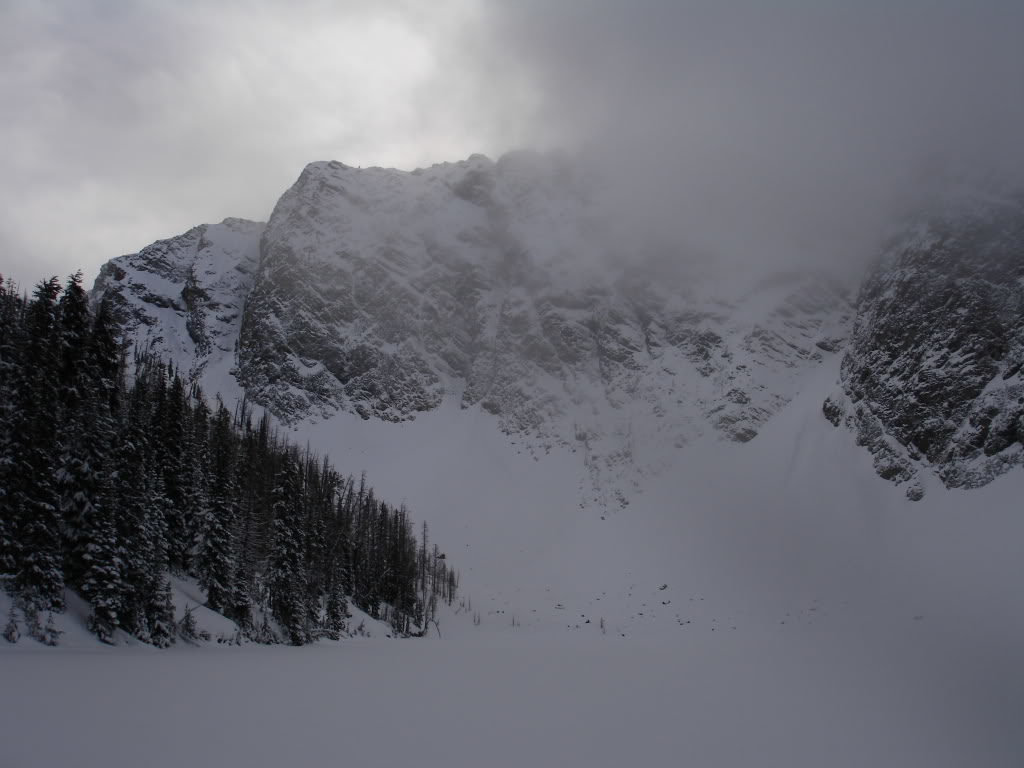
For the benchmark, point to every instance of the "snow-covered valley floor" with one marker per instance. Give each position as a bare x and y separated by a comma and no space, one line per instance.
767,604
765,698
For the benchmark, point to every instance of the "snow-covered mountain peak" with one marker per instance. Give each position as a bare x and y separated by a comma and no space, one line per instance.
182,298
931,378
502,286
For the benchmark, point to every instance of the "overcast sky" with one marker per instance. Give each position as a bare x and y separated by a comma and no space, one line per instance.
750,125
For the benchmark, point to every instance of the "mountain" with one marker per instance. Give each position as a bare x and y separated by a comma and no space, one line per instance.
497,286
183,297
513,367
931,378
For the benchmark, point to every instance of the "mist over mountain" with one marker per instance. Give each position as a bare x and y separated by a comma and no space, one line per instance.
510,287
676,418
784,135
787,134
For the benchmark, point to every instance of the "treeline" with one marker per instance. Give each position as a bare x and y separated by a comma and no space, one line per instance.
113,477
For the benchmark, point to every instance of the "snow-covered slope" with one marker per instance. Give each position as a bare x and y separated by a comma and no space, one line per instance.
768,603
182,298
793,526
489,284
932,376
704,413
767,597
497,286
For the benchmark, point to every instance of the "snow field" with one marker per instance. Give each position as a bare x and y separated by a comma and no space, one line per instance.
767,604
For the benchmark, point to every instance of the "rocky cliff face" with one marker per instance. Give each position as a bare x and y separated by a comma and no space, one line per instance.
494,284
182,298
931,378
382,292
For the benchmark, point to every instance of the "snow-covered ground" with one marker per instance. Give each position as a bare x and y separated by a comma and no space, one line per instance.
762,531
767,697
768,604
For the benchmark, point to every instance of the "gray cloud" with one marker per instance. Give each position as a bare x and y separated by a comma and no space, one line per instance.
780,130
125,122
764,130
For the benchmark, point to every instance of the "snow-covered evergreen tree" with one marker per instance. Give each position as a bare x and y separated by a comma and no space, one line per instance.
160,616
217,563
286,576
11,632
107,487
34,505
103,581
194,483
12,347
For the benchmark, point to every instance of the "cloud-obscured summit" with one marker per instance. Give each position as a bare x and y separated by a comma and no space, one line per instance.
497,286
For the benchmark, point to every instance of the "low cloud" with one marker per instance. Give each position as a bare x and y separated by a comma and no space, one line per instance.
776,132
129,122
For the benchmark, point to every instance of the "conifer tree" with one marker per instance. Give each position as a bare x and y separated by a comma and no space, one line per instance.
160,616
194,488
34,504
109,487
286,577
217,563
131,494
102,583
169,425
87,425
12,345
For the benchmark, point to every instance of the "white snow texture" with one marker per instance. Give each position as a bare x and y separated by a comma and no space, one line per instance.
772,602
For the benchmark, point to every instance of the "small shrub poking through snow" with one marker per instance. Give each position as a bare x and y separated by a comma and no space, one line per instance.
51,635
11,633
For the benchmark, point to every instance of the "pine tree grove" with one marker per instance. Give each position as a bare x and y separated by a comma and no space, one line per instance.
116,476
